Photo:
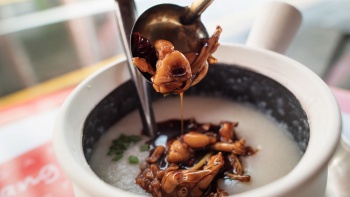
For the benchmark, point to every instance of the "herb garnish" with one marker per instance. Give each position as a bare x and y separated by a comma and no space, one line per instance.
122,143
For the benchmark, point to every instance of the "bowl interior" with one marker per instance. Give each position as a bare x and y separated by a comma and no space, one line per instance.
224,81
274,84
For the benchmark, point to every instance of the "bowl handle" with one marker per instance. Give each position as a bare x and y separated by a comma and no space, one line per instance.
275,27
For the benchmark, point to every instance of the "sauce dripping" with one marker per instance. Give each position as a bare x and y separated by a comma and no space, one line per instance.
182,111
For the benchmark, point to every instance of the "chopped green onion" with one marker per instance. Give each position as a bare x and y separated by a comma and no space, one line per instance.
116,141
122,137
133,159
144,147
122,143
135,138
111,152
121,146
118,157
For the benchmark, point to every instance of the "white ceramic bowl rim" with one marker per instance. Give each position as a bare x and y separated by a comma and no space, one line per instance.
313,94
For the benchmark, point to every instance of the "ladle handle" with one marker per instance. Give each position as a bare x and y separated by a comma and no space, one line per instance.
196,9
275,27
126,15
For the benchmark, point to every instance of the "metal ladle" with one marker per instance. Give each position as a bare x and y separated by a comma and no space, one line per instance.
126,15
179,25
184,20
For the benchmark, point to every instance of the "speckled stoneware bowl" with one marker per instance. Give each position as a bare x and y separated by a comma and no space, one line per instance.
289,91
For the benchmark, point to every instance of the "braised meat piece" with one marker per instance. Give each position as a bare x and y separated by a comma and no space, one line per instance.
192,182
173,72
193,161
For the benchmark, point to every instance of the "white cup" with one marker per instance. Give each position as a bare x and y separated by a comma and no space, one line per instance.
104,97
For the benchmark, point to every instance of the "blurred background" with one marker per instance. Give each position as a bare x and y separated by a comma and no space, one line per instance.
48,46
44,39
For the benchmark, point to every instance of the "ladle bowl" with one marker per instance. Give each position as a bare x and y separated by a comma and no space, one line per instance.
167,21
179,25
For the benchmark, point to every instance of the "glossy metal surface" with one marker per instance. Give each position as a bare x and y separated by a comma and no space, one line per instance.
180,25
125,12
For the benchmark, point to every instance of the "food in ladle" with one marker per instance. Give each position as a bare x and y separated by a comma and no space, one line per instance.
172,71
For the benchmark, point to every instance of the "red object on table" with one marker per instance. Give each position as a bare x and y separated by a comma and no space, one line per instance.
34,174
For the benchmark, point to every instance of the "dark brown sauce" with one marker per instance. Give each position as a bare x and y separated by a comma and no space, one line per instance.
174,129
171,129
182,111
